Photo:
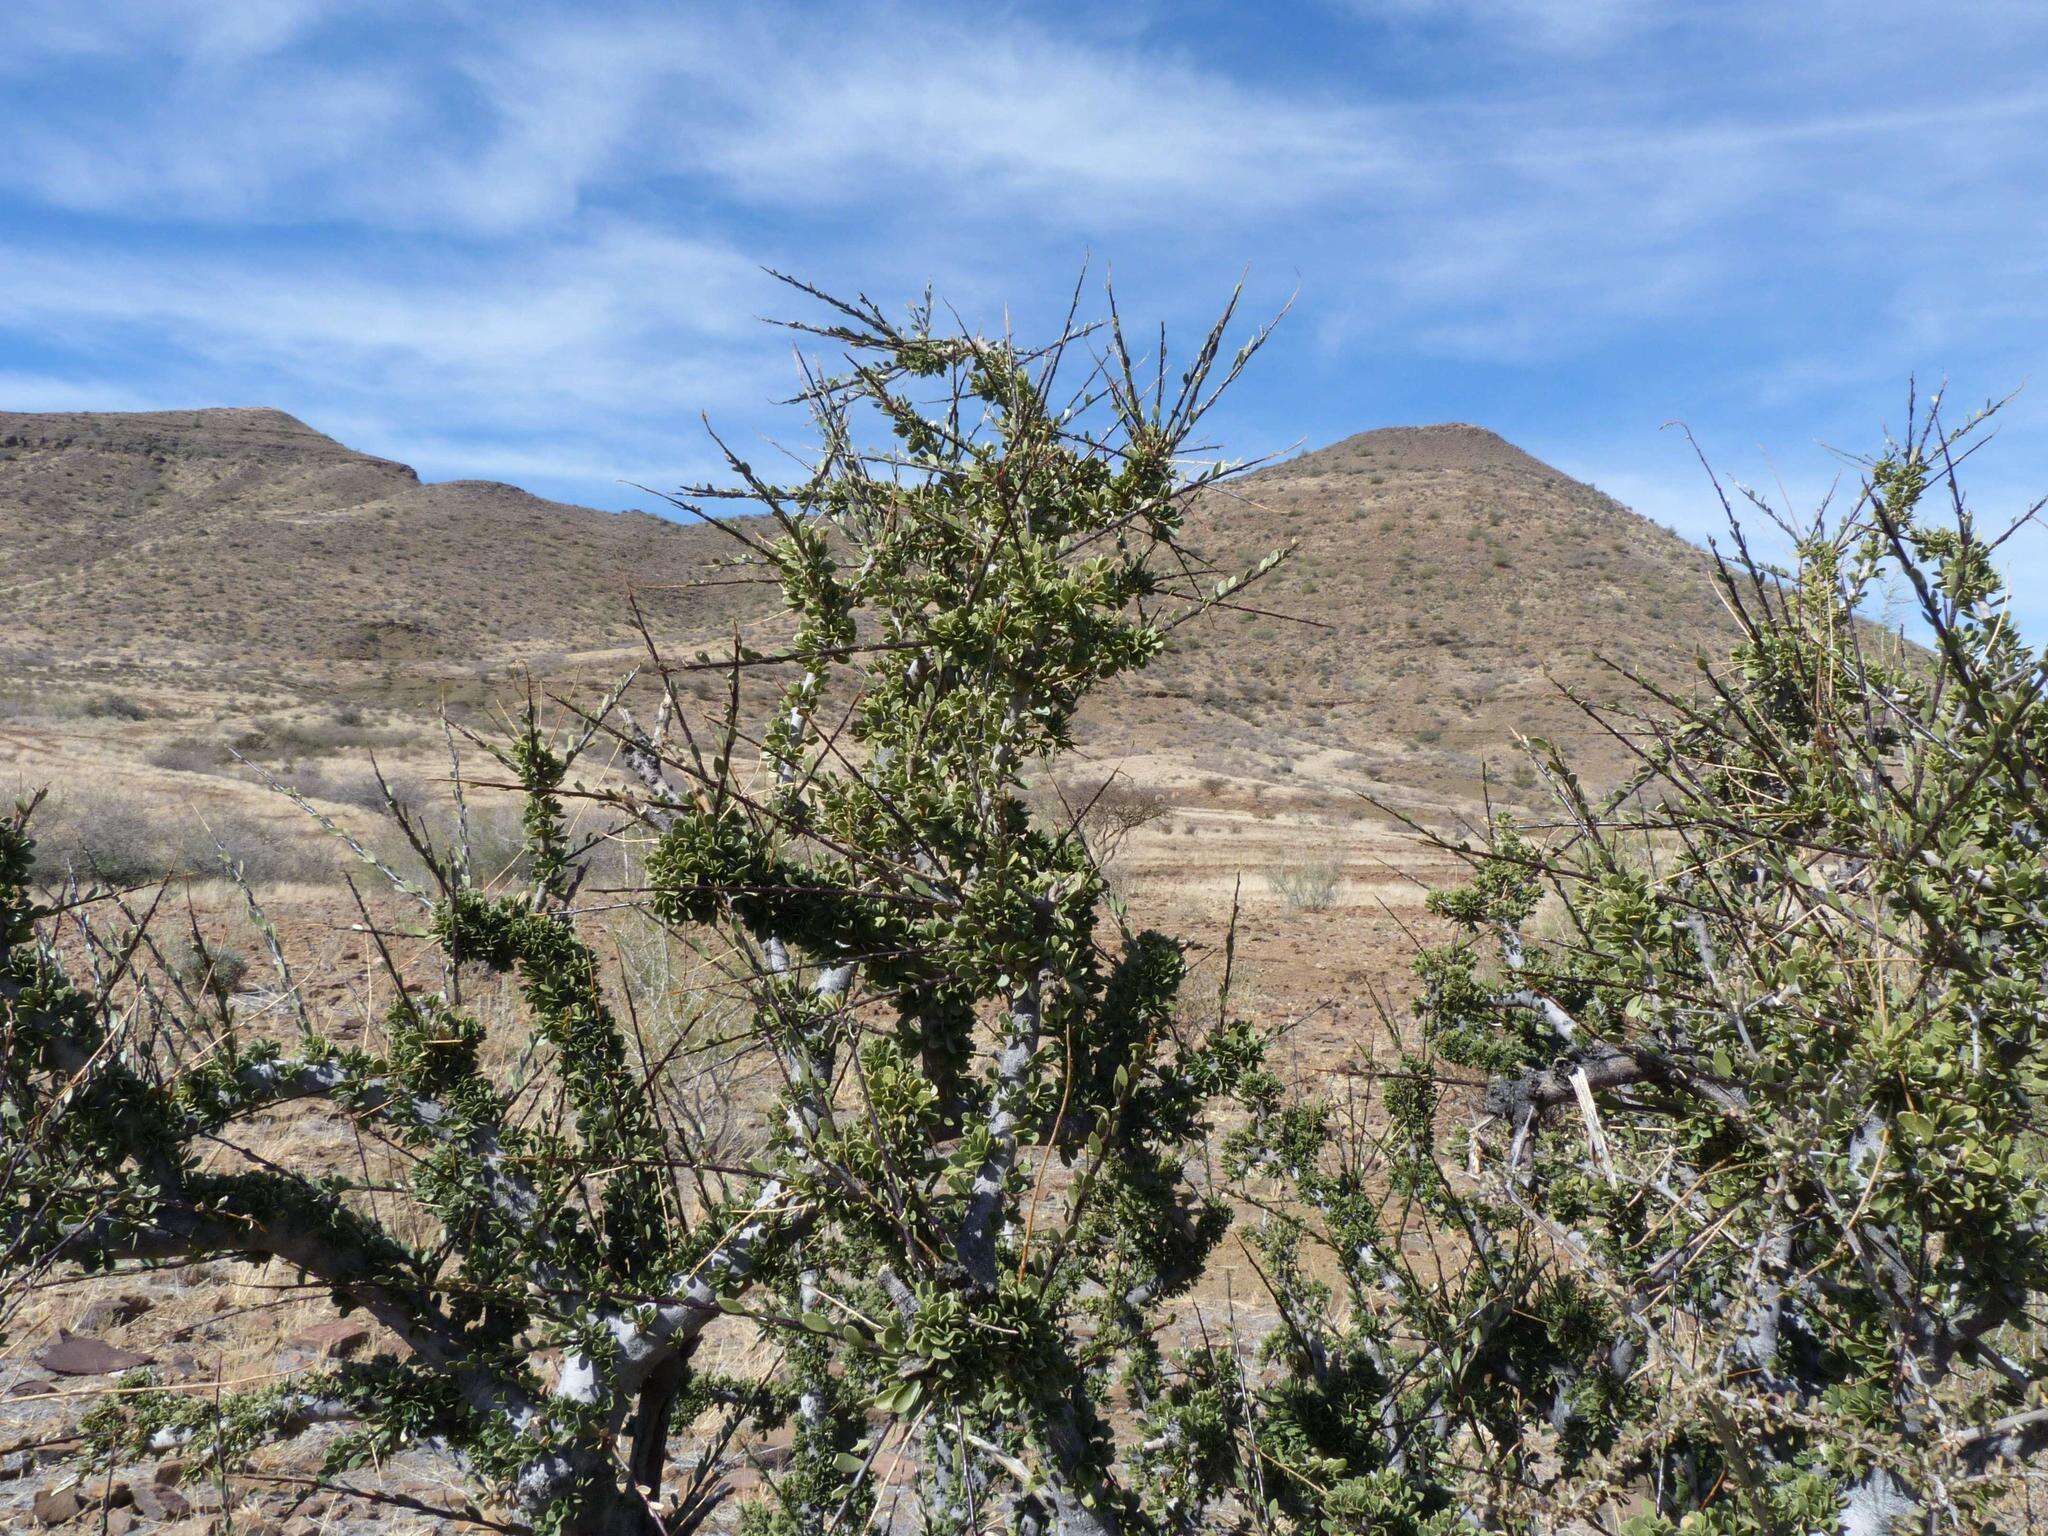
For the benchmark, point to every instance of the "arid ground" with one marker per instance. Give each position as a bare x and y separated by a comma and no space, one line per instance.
195,606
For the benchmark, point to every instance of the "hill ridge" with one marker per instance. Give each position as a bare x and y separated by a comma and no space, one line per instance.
1444,575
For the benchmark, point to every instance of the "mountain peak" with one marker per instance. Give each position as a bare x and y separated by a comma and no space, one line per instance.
1440,445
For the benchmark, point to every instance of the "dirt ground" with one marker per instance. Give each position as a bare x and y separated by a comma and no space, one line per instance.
1327,891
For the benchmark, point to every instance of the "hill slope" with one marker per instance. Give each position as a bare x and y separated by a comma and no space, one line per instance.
245,539
1441,578
1443,584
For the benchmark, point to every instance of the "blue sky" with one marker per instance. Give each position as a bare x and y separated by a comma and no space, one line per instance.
524,241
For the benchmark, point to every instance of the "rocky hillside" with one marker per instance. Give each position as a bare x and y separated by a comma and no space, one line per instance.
245,539
1442,584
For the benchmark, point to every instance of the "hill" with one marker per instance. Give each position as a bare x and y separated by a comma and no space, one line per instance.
245,540
1442,583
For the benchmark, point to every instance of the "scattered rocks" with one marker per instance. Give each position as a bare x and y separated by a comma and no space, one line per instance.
161,1502
76,1354
206,1498
336,1340
114,1312
187,1367
56,1506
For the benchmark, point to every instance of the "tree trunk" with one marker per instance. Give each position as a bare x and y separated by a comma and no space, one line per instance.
649,1457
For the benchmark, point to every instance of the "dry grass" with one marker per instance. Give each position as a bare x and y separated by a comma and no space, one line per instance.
1310,886
96,836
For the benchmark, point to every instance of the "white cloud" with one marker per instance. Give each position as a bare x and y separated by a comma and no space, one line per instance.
1010,119
504,120
218,31
586,320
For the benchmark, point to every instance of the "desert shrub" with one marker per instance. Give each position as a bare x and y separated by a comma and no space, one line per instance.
292,741
113,839
1109,810
1310,886
362,789
113,706
1746,1212
190,754
208,969
488,834
977,1190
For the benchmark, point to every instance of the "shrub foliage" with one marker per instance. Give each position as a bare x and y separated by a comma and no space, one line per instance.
975,1198
1706,1197
1745,1217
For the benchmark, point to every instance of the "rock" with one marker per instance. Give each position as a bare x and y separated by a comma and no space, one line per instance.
120,1522
169,1473
54,1506
161,1502
16,1464
113,1312
74,1354
337,1340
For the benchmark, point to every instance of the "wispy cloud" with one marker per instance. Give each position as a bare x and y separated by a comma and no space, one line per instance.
579,322
513,121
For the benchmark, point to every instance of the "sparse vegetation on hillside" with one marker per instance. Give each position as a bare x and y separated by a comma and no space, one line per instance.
1411,582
